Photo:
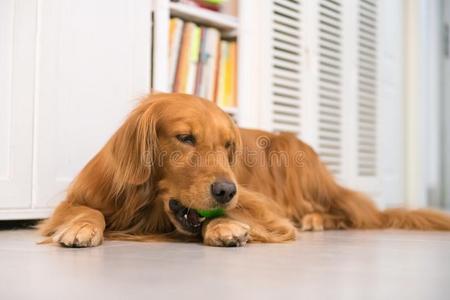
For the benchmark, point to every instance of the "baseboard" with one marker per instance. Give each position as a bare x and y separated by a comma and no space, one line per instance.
25,214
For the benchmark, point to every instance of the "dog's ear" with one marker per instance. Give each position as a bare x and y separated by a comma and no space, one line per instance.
236,151
134,146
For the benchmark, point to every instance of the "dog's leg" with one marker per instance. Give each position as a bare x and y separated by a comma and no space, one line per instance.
255,219
312,222
322,221
225,232
74,226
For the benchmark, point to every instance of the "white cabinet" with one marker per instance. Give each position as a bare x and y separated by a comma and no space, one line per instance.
71,71
94,60
17,33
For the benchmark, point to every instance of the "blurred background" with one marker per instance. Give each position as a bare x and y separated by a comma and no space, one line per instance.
365,82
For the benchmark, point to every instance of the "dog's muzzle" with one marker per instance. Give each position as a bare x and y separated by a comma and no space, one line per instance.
188,218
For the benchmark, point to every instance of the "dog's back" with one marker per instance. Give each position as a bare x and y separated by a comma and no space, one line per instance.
288,171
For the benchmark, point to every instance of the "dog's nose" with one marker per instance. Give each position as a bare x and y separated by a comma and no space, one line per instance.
223,191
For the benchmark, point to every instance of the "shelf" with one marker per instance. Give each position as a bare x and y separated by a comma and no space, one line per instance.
204,16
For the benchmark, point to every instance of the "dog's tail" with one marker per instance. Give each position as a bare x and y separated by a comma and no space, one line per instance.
421,219
360,212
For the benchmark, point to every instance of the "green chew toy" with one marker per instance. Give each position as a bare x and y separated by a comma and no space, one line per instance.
211,213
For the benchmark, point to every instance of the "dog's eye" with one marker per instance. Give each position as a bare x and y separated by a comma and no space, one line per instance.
186,139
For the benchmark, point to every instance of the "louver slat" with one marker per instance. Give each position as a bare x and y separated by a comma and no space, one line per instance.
367,86
286,66
330,104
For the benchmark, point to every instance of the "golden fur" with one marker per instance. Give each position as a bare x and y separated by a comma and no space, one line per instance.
123,192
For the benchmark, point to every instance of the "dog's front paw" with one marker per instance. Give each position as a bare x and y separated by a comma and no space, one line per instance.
224,232
79,235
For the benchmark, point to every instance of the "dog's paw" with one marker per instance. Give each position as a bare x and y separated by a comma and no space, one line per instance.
312,222
226,233
79,235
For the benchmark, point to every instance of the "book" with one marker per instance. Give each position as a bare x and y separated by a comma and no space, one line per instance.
208,64
175,35
188,59
193,60
183,60
226,95
201,63
221,75
232,75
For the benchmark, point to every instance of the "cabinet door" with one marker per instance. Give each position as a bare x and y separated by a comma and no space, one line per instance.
93,67
17,29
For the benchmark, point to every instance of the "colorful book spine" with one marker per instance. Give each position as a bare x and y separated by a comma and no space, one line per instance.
232,75
193,61
183,61
208,64
222,74
202,64
175,36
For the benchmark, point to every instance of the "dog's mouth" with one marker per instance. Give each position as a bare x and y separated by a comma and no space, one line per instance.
188,218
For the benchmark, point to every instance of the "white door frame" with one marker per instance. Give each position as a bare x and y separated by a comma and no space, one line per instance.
422,99
446,105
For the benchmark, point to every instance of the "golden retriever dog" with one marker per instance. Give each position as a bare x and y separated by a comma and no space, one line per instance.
177,154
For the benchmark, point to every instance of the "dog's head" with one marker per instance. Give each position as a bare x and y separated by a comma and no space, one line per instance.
186,147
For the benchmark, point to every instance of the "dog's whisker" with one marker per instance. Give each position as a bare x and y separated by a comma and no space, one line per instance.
189,206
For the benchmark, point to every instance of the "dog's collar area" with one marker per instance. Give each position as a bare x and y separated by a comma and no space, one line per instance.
189,219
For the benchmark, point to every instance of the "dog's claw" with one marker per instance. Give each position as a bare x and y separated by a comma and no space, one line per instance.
226,233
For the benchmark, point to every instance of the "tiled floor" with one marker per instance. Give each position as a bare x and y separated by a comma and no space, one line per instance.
328,265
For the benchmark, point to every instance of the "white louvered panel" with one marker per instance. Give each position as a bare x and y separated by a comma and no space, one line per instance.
283,109
367,86
288,39
284,46
329,31
284,30
292,5
285,83
329,62
286,101
329,90
280,74
283,118
366,36
287,56
286,11
329,96
368,7
281,127
286,65
328,70
284,90
366,80
329,85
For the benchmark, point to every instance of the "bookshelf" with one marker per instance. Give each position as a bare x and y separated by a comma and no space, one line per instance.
204,16
228,25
